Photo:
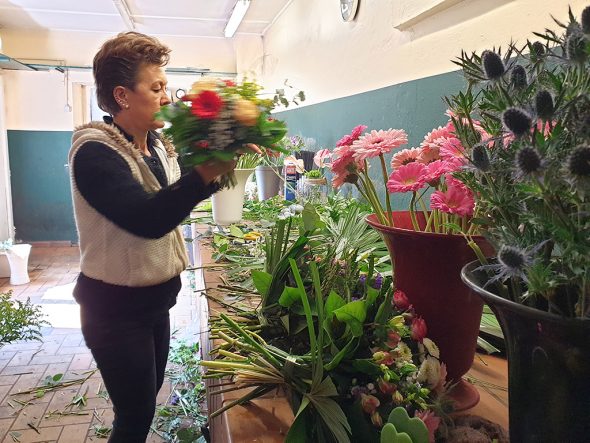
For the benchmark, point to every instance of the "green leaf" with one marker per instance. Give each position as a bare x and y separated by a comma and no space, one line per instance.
333,302
333,417
236,232
366,366
325,389
372,295
261,281
311,218
289,296
353,314
298,430
345,352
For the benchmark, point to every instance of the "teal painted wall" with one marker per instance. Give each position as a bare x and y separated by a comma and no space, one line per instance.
415,106
41,196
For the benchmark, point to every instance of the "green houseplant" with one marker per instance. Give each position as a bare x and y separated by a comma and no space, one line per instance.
531,181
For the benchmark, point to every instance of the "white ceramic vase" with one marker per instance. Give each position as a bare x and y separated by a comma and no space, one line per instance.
18,258
229,203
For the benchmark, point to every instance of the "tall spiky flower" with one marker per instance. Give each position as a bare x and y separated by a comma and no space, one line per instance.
537,50
493,65
517,120
575,47
578,163
586,20
480,158
518,77
544,105
528,160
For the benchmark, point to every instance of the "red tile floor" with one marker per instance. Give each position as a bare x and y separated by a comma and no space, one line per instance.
24,365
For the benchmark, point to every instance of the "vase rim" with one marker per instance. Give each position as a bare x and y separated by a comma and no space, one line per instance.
371,219
466,276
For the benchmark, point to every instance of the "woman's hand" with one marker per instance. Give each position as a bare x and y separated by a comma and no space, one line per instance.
211,170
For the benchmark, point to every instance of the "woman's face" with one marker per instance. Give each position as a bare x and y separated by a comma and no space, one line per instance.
149,95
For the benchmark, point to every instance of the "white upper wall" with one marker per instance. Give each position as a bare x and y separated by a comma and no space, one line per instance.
328,58
78,48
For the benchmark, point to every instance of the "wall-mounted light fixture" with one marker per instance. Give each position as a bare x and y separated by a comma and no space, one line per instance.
125,13
236,17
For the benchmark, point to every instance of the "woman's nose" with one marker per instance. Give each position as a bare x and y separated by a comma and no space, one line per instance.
165,100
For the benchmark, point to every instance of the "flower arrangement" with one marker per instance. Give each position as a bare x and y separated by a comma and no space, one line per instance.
432,165
524,122
366,354
217,118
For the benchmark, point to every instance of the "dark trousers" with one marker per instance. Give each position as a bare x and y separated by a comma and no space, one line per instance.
131,355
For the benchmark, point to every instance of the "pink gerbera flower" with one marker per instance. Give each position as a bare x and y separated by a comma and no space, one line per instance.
436,170
344,167
404,157
348,139
375,143
457,199
407,178
321,158
451,148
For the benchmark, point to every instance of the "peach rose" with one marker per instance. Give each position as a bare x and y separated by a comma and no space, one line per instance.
246,112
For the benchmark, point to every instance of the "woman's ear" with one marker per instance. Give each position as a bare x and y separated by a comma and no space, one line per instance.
120,94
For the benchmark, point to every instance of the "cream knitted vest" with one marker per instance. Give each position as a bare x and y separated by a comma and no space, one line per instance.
109,253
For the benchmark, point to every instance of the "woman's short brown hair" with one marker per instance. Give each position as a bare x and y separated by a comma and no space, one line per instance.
118,61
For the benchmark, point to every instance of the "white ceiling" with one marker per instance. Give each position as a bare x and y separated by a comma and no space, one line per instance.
194,18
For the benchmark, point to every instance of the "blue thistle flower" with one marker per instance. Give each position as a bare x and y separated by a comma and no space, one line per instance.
517,120
528,160
493,65
544,105
518,77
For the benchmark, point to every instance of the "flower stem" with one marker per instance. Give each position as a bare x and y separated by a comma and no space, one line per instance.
387,200
413,213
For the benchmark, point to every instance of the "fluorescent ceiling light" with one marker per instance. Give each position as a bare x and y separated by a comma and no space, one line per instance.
236,17
125,14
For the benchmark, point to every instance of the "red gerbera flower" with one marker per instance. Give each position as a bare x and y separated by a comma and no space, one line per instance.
207,105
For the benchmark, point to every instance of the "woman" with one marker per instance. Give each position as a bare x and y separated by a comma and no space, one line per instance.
129,199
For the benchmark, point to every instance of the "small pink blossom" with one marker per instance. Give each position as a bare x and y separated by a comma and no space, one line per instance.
393,339
369,403
375,143
404,157
419,329
348,139
386,387
321,156
383,358
400,299
431,421
407,178
457,199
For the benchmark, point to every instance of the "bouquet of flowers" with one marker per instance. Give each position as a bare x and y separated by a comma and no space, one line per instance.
530,172
432,166
217,118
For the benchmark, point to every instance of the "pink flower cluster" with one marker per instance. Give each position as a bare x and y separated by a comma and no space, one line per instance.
432,164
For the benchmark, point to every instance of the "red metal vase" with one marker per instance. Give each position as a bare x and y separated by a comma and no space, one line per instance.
427,267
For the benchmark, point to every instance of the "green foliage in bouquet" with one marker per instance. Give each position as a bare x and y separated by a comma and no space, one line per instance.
531,175
217,118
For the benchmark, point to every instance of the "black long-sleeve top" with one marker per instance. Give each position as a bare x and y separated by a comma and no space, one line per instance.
105,181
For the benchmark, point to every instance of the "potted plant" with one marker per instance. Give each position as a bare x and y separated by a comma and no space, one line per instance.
269,173
313,187
531,183
422,241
